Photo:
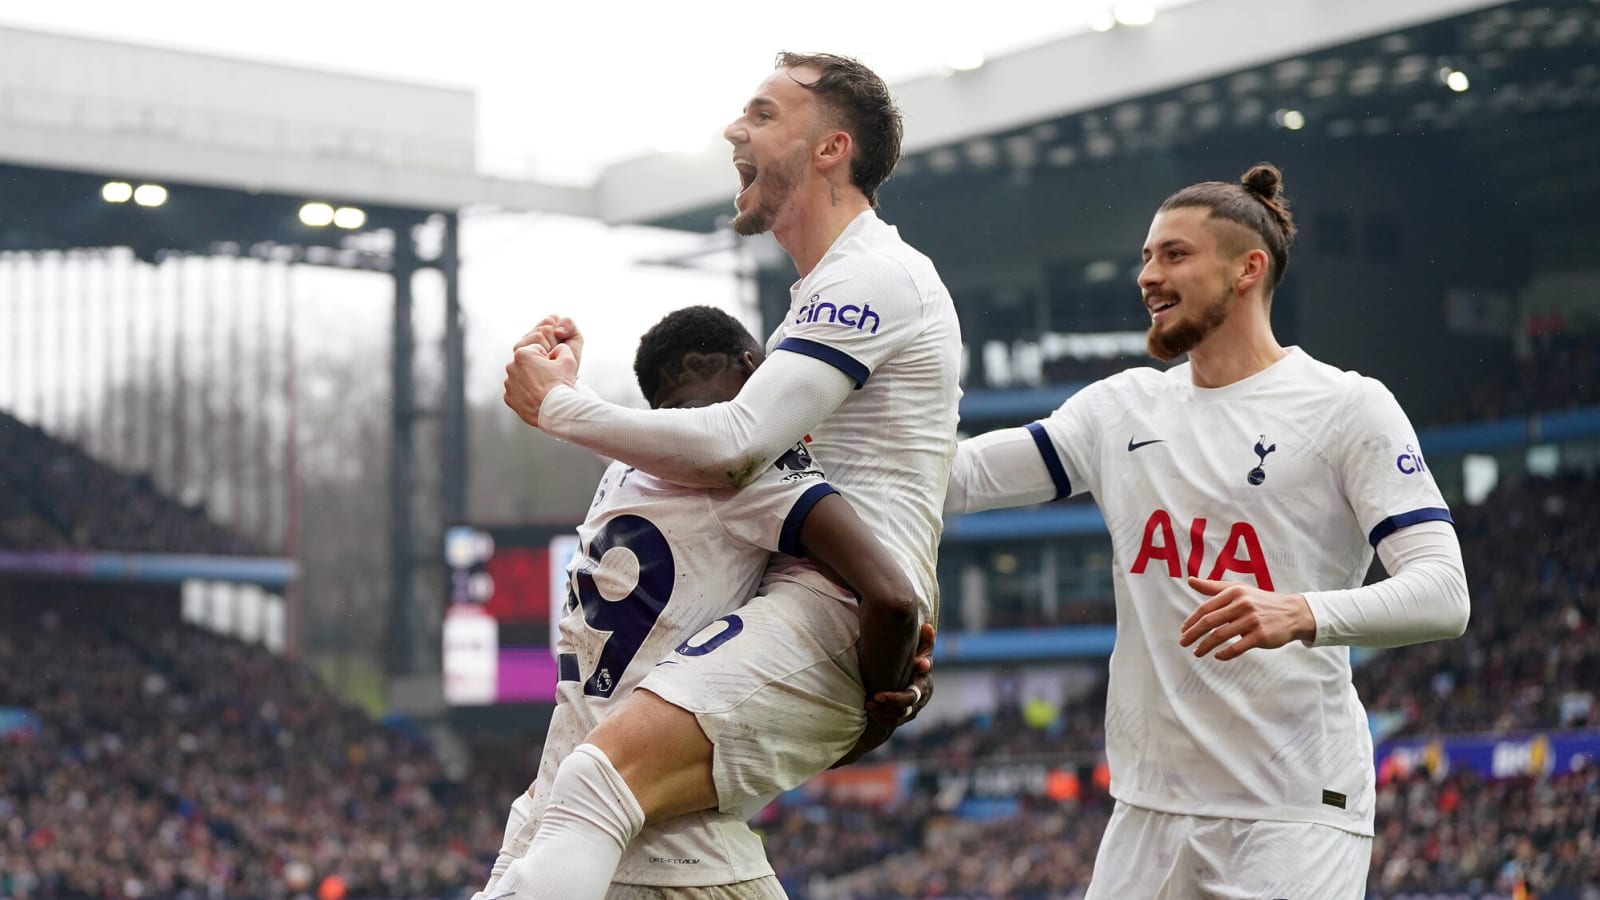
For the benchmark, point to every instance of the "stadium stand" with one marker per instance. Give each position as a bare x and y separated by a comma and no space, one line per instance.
1466,835
53,496
141,757
166,761
1462,836
1561,371
145,757
1530,658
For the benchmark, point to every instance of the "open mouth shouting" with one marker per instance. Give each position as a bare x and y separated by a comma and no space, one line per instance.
747,176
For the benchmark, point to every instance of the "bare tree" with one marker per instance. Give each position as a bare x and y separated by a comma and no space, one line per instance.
521,474
343,436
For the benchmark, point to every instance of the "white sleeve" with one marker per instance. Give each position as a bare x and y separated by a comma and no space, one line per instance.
999,469
1050,459
721,445
1379,459
1423,599
769,511
861,313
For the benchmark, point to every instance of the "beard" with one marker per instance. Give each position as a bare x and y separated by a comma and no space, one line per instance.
1168,342
778,183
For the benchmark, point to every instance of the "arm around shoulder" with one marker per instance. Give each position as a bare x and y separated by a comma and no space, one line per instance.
717,446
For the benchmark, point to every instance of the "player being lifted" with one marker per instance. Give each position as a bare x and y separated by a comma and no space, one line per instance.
660,562
1245,491
866,362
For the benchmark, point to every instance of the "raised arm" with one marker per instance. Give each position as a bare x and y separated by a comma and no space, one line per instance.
717,446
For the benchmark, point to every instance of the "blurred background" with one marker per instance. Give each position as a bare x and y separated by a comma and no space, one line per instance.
277,568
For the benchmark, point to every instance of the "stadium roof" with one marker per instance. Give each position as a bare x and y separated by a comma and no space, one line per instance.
76,111
1225,66
138,113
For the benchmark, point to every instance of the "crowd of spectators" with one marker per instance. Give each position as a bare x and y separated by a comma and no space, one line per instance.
160,760
1043,850
170,762
54,496
1561,371
1461,836
1530,657
1467,834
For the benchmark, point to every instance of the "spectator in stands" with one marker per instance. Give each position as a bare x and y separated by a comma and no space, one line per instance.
53,496
1531,660
172,762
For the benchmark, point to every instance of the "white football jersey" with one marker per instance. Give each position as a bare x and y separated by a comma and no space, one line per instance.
658,563
875,309
1286,480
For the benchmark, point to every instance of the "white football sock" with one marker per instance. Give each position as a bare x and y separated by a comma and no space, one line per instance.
515,843
589,820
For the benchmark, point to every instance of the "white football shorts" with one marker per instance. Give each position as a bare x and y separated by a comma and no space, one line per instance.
775,686
1163,856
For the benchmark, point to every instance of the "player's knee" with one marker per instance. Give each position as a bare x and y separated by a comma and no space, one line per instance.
589,790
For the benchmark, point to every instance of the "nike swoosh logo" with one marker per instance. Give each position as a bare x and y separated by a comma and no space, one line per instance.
503,896
1132,446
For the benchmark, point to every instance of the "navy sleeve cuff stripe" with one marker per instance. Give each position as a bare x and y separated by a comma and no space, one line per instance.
1395,523
789,538
1052,460
839,359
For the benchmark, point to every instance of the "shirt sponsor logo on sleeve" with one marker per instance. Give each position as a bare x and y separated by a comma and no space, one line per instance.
861,318
1410,462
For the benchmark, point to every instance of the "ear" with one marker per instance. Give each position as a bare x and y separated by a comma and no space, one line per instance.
1251,269
748,362
833,149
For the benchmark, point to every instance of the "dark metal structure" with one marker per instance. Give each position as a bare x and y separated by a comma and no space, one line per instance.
1459,152
51,210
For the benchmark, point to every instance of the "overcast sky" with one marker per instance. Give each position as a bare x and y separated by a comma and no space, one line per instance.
563,90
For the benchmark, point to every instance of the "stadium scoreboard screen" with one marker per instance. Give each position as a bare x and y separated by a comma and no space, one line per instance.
506,590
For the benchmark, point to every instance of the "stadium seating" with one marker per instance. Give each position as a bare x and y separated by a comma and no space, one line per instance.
141,758
1561,372
170,762
1531,655
53,496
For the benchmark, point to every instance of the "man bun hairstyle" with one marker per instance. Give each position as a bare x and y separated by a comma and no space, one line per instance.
1256,202
700,331
859,102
